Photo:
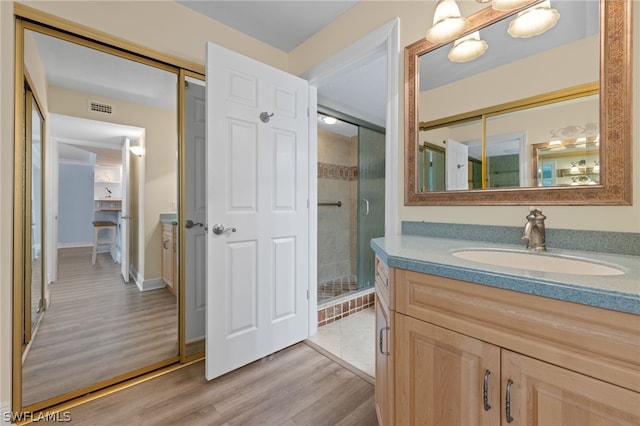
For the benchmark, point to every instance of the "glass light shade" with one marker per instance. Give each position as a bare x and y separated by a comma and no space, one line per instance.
329,120
596,168
467,48
447,22
508,4
534,21
574,169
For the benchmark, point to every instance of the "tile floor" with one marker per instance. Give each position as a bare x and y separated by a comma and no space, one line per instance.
339,286
351,339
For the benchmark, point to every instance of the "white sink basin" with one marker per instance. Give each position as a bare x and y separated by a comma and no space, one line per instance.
537,262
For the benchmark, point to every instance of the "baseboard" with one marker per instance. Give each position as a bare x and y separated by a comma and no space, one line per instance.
194,340
146,285
152,284
74,245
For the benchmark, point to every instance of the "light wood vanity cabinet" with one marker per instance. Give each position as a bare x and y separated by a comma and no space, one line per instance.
563,363
169,260
384,346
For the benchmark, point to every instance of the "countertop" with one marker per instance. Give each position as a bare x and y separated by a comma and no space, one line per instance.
434,256
169,218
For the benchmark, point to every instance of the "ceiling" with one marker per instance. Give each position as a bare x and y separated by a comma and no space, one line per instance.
281,24
79,139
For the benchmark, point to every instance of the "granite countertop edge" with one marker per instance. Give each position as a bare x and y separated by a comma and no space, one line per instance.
434,256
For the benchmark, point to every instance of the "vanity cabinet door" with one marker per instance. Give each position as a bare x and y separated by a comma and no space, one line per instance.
544,394
440,376
168,255
384,362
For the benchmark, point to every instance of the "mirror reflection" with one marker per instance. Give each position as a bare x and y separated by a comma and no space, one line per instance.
112,139
480,119
33,294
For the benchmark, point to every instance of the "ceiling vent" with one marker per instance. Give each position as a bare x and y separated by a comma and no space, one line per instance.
100,107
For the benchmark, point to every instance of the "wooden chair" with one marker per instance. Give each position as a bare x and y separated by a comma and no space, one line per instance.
99,225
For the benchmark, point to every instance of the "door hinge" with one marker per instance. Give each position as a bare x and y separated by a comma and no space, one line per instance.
307,203
308,113
307,294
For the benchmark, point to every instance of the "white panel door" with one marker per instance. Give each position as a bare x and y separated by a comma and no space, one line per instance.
195,211
257,189
457,161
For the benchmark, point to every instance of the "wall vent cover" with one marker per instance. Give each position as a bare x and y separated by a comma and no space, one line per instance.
100,107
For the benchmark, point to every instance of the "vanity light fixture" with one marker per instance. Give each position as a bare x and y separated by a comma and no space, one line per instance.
447,22
534,21
467,48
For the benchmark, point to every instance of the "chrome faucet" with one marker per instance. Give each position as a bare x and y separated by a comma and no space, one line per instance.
534,230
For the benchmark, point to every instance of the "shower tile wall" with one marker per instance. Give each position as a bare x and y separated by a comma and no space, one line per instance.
337,181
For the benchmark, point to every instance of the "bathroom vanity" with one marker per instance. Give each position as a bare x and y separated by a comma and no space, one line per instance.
461,342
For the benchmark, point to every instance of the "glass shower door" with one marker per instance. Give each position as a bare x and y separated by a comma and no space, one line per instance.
371,166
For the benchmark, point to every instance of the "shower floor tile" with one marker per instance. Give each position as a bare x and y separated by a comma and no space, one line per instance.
351,339
330,289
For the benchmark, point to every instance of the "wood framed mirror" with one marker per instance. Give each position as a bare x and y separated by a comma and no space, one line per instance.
613,86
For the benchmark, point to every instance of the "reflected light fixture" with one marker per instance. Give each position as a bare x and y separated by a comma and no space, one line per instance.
596,167
534,21
447,22
467,48
575,166
508,4
328,120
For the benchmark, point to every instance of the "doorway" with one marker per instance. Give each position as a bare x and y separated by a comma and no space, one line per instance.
351,204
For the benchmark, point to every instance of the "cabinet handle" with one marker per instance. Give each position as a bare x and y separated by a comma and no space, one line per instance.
507,401
382,330
485,390
164,244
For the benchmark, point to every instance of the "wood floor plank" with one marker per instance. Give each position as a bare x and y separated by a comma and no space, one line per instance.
96,328
296,386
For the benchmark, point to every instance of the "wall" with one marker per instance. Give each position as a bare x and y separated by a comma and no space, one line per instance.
415,18
337,174
569,65
75,204
160,161
165,26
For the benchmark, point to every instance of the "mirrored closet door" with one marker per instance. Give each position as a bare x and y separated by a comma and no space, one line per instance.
107,121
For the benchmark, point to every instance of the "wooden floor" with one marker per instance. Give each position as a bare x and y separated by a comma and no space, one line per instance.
296,386
96,328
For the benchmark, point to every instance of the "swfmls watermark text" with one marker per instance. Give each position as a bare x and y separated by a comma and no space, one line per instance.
40,416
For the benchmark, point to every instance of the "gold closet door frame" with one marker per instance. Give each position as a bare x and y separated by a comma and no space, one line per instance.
27,18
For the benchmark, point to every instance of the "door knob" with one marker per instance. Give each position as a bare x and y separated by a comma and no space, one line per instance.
219,229
189,224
